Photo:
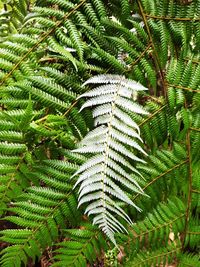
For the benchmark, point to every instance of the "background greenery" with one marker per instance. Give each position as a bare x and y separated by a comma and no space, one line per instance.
48,49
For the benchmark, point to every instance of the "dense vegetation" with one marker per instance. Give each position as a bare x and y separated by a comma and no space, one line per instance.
100,132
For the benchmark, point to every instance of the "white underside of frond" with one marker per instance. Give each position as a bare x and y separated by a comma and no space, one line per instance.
115,144
116,79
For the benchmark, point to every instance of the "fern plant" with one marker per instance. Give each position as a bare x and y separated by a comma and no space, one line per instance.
99,132
111,143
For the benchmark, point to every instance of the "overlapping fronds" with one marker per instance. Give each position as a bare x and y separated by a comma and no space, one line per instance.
47,50
173,22
158,173
12,16
159,228
40,212
83,245
188,260
14,153
163,256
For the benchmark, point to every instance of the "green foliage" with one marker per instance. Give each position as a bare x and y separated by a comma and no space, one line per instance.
83,245
94,169
12,16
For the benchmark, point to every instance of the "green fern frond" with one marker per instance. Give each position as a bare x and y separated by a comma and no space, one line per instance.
109,59
163,256
75,252
161,167
100,8
40,210
47,50
49,12
154,231
186,260
75,37
91,15
63,4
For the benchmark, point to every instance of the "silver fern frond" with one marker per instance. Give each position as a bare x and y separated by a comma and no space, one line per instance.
114,144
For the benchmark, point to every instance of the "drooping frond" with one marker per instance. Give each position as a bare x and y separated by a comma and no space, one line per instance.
103,176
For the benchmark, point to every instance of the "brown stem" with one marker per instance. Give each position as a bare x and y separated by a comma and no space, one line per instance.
171,18
193,233
192,60
5,7
194,129
158,177
141,55
155,54
195,191
184,88
152,115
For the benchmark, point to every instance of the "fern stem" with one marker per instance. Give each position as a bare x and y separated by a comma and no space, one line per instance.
194,129
195,191
141,55
192,60
184,88
65,114
59,23
5,7
106,153
193,233
70,108
12,178
160,226
157,256
155,54
161,175
153,99
171,18
152,115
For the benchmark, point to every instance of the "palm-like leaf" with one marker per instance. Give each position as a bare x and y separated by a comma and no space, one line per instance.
102,175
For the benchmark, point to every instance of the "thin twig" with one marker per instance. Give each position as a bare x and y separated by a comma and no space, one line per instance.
193,233
70,108
192,60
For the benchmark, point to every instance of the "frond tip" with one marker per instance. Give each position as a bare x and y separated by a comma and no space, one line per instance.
114,142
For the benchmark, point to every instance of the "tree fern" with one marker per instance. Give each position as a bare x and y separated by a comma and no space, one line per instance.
50,194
